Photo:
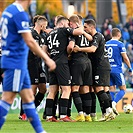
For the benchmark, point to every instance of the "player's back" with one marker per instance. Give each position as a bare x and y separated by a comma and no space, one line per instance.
14,21
115,48
57,42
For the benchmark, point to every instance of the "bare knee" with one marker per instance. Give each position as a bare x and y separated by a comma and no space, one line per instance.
27,95
8,97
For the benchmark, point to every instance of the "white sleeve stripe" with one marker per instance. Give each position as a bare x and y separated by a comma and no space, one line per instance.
23,31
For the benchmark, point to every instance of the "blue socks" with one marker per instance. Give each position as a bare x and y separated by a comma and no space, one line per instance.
112,95
31,113
4,108
119,96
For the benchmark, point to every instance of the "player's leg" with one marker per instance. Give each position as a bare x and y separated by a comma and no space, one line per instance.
118,97
64,81
100,82
76,70
34,78
104,103
69,106
30,110
22,115
120,82
78,103
53,89
54,107
106,89
85,90
93,106
41,86
86,102
28,103
40,94
63,103
9,85
5,103
112,88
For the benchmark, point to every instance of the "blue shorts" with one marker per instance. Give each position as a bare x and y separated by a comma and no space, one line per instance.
16,79
117,79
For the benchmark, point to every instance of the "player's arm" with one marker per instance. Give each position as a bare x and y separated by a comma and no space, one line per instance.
126,61
45,49
70,47
37,50
78,31
90,49
88,36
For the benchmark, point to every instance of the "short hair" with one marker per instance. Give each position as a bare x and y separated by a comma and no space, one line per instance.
74,18
115,32
61,19
38,18
41,18
90,22
80,17
35,19
58,16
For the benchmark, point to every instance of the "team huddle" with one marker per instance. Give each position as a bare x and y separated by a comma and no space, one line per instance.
73,58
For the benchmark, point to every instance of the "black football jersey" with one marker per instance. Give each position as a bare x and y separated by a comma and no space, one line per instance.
80,57
40,40
57,42
99,58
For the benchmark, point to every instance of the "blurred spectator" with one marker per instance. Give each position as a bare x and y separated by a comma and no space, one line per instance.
111,22
130,53
47,16
125,36
106,31
129,23
90,16
127,39
131,33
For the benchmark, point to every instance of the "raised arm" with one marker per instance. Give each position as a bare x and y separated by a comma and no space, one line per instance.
88,36
78,31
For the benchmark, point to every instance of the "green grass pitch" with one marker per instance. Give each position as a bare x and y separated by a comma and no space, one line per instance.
122,124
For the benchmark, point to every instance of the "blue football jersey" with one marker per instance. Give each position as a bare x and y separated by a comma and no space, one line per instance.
115,48
14,21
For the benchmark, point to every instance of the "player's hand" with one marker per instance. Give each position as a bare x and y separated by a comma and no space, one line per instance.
51,64
130,70
76,49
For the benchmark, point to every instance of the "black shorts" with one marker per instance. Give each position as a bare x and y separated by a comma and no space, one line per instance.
37,73
101,77
81,74
1,72
61,75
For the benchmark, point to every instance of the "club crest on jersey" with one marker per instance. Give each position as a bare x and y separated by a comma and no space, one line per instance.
25,24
